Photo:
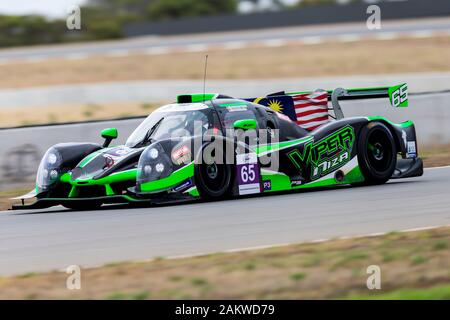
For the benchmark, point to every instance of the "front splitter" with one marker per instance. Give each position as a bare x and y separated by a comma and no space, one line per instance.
118,199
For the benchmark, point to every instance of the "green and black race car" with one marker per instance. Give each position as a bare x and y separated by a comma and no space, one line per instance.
210,146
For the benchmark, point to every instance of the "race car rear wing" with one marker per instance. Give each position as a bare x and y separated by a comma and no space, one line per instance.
398,96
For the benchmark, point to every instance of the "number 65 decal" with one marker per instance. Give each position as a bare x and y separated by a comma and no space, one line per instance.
248,173
399,96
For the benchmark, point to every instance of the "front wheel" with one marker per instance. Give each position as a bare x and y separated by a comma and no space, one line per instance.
213,178
377,154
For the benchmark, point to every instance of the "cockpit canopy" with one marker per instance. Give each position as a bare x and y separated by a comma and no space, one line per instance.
173,120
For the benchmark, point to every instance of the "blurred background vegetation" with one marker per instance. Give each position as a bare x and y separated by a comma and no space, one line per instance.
104,19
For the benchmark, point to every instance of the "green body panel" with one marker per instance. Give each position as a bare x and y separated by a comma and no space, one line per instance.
106,181
281,182
65,178
405,124
245,124
113,178
199,97
354,176
268,148
194,192
278,180
172,180
109,190
74,191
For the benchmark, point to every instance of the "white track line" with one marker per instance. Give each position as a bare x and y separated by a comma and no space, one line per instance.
235,45
312,40
387,36
157,51
275,43
421,34
349,38
77,56
119,53
196,48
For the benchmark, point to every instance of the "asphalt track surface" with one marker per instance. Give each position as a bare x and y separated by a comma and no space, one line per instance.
123,47
52,239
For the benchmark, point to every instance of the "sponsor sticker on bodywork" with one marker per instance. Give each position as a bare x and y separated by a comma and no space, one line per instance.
267,185
411,149
237,108
181,155
183,186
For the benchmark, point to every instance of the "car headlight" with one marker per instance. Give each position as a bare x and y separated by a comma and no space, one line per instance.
154,153
49,169
159,167
153,164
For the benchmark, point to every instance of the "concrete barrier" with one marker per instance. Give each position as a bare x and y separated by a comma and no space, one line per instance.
22,148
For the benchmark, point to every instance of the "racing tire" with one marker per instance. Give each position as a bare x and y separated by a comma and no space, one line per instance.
377,154
82,206
213,180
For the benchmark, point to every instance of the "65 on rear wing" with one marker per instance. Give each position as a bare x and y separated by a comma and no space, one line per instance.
398,96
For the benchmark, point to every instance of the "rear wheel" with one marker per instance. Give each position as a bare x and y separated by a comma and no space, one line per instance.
377,154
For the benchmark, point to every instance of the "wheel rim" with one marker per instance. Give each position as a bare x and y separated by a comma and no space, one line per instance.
212,171
214,177
379,151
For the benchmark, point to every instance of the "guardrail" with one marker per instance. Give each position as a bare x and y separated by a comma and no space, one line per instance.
321,14
23,147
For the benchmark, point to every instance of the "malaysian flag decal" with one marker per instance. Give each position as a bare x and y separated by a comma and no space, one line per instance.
311,109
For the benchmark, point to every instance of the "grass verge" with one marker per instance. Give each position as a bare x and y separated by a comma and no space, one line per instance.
433,293
335,269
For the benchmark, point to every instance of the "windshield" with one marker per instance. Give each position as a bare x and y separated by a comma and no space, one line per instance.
171,121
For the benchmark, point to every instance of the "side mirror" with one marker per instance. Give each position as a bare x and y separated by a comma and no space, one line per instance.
109,135
245,124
